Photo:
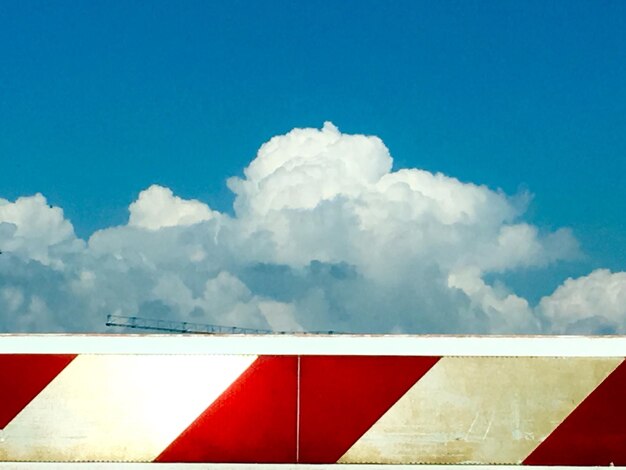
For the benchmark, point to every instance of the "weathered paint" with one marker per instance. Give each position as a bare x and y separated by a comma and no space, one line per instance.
20,388
255,419
111,407
592,434
341,397
480,410
335,401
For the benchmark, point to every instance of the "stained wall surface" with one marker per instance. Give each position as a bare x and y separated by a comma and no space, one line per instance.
312,408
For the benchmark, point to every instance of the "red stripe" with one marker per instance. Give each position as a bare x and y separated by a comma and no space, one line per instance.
594,433
343,396
253,421
23,377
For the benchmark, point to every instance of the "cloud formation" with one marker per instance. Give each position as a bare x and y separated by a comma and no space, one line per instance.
157,207
324,236
596,302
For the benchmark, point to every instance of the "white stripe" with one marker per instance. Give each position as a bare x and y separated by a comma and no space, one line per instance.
480,410
113,407
389,345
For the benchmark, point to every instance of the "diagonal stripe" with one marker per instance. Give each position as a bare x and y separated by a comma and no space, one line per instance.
343,396
253,421
594,433
23,377
110,407
480,410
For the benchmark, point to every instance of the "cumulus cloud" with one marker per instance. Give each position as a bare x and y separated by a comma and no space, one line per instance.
590,304
325,236
157,207
33,229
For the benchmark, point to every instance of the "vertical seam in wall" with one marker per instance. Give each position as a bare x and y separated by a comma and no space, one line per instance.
298,413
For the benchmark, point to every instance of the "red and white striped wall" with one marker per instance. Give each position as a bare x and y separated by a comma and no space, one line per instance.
288,399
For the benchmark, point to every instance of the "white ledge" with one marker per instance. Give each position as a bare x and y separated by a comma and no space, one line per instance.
383,345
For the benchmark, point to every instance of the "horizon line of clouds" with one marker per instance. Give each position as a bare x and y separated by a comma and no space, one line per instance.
325,235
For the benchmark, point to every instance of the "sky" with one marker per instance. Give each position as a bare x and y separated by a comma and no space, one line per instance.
453,166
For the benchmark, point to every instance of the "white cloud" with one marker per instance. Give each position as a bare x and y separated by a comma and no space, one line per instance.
593,303
505,311
157,207
325,236
306,166
33,228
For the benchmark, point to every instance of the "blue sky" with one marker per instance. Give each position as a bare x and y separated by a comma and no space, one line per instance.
99,100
